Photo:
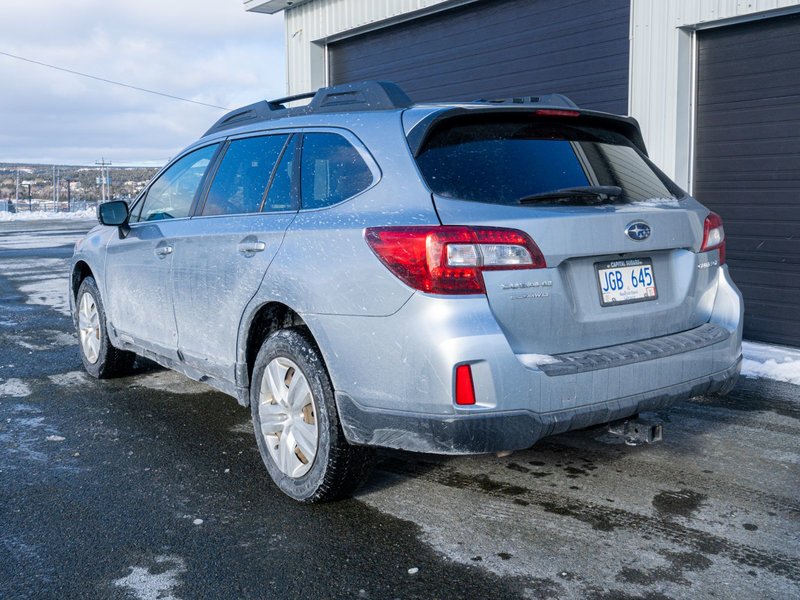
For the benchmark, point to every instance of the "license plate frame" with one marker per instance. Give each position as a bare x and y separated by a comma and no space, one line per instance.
625,264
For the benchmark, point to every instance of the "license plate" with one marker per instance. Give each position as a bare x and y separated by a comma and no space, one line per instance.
626,281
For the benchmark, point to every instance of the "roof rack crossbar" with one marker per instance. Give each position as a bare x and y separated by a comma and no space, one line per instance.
360,96
278,103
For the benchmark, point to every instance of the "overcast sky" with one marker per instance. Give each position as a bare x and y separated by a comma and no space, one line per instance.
206,50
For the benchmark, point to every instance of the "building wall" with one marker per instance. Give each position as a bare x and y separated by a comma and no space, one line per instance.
662,69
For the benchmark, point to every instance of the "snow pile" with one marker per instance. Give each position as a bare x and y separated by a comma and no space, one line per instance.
649,203
37,215
773,362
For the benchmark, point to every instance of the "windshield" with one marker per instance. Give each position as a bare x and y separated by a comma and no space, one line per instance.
501,160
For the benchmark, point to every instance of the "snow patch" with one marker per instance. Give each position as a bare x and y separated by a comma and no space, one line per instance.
50,337
16,388
534,360
52,292
37,241
649,203
772,362
90,214
71,379
171,381
245,427
157,582
45,281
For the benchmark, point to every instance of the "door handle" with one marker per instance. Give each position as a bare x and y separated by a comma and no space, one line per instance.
251,247
163,251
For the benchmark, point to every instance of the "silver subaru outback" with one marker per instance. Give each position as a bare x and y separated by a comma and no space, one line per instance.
363,271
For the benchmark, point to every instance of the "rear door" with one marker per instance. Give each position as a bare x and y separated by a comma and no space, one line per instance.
138,284
223,255
606,282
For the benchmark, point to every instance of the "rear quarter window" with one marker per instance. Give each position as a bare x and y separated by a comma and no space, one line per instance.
332,170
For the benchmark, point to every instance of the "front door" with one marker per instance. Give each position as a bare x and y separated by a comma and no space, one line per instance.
138,282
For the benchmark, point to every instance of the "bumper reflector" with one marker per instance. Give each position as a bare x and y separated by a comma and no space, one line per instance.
465,391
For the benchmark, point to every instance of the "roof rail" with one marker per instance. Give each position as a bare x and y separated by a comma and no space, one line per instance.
348,97
546,99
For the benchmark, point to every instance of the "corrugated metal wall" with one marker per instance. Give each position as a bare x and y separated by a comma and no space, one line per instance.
526,47
323,19
662,64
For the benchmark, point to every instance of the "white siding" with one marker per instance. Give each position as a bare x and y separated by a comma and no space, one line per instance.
662,69
310,25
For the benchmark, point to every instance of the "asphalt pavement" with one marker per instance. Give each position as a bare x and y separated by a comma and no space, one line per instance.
151,486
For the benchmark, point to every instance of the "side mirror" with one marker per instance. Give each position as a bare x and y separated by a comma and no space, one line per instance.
114,214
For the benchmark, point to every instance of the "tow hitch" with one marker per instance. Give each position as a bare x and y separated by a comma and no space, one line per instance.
637,431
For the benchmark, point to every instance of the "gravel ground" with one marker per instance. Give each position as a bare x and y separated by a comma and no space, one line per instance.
151,487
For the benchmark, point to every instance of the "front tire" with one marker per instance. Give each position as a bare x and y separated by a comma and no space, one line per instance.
100,358
296,424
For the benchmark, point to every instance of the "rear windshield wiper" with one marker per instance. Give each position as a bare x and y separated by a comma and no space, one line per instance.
589,192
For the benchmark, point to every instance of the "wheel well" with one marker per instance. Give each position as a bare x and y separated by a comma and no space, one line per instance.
269,319
80,272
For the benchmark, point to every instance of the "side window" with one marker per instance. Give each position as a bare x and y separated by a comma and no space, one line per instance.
171,195
243,175
282,190
332,170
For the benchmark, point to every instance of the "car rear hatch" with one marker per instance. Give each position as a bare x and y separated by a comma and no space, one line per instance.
620,240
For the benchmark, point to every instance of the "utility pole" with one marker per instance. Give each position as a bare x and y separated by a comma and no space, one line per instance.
103,178
30,202
54,186
16,195
69,194
58,190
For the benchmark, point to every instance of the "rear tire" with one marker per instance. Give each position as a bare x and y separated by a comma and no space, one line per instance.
100,358
296,423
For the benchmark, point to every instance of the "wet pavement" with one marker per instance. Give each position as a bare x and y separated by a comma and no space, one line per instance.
151,486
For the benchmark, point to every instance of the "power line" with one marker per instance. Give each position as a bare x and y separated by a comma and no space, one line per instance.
126,85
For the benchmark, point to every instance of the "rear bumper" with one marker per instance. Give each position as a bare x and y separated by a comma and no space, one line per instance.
394,376
512,430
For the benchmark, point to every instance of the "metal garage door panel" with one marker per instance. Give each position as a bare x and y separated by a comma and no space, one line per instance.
747,164
500,49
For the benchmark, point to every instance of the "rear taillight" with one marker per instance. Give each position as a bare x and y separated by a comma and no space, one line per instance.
450,259
714,236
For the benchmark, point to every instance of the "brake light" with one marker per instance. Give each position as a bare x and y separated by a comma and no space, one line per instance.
714,236
465,390
450,259
556,112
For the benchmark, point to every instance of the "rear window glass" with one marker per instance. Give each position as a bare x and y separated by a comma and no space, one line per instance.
503,160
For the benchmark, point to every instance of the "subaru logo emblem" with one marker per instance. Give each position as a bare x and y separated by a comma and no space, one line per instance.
638,231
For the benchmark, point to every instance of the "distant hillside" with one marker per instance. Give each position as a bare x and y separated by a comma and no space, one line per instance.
126,182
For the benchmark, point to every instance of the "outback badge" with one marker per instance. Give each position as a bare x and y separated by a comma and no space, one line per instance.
638,231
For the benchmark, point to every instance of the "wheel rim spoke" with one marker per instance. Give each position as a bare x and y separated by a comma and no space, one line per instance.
298,392
305,436
287,456
274,375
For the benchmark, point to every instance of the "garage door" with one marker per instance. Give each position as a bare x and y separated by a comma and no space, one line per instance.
747,165
500,49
